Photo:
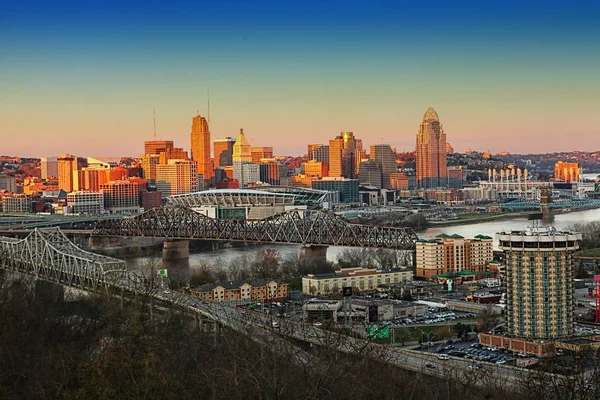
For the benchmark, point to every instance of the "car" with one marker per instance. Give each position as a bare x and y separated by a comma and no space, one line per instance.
474,366
430,365
275,324
444,357
318,323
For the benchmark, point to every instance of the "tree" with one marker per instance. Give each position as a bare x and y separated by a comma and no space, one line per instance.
356,258
267,265
488,319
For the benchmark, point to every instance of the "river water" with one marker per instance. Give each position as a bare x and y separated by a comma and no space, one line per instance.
224,255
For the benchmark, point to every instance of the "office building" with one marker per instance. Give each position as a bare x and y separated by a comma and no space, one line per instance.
360,279
200,147
8,183
224,152
85,203
453,253
384,156
272,172
317,169
431,152
259,153
345,154
241,155
17,204
151,200
539,282
67,173
91,179
49,167
177,177
347,188
157,146
456,176
121,197
370,174
250,174
176,153
149,163
318,153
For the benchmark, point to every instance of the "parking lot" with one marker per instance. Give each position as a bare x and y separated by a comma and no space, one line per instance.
429,318
478,353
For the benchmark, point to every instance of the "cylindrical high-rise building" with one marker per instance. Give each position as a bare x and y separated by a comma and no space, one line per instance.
539,282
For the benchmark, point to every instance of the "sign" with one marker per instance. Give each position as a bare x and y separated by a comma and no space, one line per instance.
162,272
347,291
378,332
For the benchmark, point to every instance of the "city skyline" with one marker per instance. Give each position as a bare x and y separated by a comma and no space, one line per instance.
84,78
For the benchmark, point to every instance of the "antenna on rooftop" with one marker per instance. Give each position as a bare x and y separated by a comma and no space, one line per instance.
154,113
208,115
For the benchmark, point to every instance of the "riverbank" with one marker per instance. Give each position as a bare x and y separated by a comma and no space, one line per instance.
477,218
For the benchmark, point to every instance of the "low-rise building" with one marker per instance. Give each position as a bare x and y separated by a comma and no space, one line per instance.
89,203
360,279
251,290
17,203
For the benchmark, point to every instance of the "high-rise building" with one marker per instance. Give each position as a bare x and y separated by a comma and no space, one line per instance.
347,188
431,152
90,203
260,152
8,183
200,147
272,172
224,152
149,163
370,174
318,153
384,156
49,167
539,282
157,146
453,253
93,179
176,153
177,177
316,168
121,197
343,153
241,155
68,179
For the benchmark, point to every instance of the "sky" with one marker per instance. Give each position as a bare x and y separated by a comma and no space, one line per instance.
84,77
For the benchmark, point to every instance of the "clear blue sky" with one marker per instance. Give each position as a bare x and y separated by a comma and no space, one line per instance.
83,77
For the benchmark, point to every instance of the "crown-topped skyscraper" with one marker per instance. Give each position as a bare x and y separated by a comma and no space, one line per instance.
432,170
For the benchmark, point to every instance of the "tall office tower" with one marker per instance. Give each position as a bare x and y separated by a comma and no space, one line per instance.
67,173
539,282
342,156
432,170
149,163
384,156
49,167
316,169
177,177
241,156
93,179
260,152
224,151
370,174
318,153
157,146
176,153
200,147
271,171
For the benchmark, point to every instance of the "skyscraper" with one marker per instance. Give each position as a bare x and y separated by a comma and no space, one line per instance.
241,155
432,169
200,146
318,153
342,156
177,177
157,146
383,155
67,173
49,167
260,152
224,152
149,163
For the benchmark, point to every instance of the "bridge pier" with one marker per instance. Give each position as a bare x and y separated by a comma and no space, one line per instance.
176,249
314,253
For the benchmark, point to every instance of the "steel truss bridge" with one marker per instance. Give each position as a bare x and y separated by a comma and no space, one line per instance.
310,227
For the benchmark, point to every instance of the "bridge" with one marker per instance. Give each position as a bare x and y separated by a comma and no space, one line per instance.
309,227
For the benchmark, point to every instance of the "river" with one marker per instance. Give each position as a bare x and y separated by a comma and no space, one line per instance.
227,254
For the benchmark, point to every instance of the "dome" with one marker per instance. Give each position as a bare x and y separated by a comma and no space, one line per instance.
430,115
